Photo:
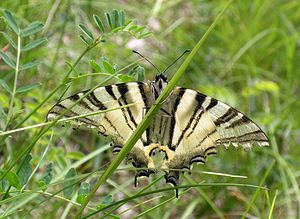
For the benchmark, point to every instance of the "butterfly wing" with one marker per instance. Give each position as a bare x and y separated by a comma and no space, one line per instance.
119,123
188,127
198,124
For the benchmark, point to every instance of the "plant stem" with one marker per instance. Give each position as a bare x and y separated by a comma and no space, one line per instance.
13,94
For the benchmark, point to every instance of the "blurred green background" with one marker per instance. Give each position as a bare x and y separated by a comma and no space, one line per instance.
250,61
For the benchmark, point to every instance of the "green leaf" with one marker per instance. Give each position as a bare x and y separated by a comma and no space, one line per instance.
30,65
5,86
70,183
10,40
27,87
47,176
138,71
107,200
3,185
141,74
124,78
87,42
32,28
108,67
95,66
117,29
34,44
144,35
99,23
114,18
132,28
3,115
11,21
269,86
122,18
83,192
41,184
129,23
139,29
13,179
86,31
75,155
259,87
132,71
108,20
7,60
25,170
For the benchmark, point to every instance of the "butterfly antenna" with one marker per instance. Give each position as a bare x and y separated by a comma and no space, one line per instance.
186,51
146,59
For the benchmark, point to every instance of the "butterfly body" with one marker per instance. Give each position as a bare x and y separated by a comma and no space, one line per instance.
187,129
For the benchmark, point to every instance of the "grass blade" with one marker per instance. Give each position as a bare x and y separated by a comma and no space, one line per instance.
273,204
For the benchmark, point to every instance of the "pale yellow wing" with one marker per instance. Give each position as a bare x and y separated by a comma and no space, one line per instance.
120,123
198,124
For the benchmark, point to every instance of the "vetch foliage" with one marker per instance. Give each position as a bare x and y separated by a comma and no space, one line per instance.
115,23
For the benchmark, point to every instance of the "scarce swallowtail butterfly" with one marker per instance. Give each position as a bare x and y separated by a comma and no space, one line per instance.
188,128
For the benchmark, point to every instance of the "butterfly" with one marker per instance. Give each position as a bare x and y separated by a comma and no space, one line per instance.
188,128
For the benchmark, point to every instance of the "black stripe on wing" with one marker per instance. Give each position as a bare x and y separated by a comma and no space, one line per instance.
173,118
123,90
59,108
199,99
95,101
111,93
213,103
71,113
230,114
207,136
145,100
257,135
242,121
81,102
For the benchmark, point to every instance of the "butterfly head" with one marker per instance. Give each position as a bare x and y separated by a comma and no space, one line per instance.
159,84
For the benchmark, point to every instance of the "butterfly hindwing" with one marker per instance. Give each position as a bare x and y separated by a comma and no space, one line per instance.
198,124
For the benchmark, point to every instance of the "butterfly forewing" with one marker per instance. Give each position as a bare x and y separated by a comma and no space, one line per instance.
119,124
